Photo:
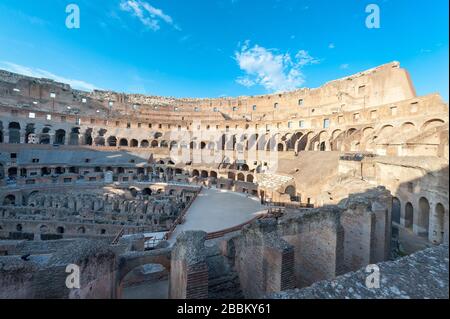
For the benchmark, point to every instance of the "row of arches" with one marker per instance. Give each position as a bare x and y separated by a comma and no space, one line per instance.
422,219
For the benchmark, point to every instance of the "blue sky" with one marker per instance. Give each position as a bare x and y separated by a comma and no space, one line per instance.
212,48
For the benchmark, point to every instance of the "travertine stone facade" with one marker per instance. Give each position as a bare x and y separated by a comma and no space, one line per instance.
353,166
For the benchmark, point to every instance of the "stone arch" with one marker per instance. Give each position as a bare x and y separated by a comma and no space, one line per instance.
44,138
134,143
386,130
112,141
145,144
81,230
14,133
432,123
29,132
408,127
60,137
250,178
60,230
133,191
164,144
88,140
173,145
74,136
147,192
123,142
409,216
231,176
154,143
241,177
195,173
43,229
133,260
303,142
423,221
291,191
204,174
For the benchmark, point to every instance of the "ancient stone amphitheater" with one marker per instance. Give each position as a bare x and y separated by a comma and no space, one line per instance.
287,195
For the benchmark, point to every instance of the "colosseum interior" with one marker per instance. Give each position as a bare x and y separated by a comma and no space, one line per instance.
272,196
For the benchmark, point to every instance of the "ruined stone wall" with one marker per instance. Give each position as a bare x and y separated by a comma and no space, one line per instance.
317,240
423,275
44,276
366,219
189,270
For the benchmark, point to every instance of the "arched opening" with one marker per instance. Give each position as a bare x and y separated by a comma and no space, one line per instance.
45,171
213,174
164,144
147,192
145,144
133,191
192,145
204,174
424,217
149,281
81,230
19,227
409,215
134,143
43,229
112,141
9,200
14,133
88,137
322,147
241,177
60,137
290,190
195,173
244,167
202,145
432,123
155,143
231,176
29,134
60,230
280,147
440,224
45,136
396,210
123,142
250,178
173,145
74,136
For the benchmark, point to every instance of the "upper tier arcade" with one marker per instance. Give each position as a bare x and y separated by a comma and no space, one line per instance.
378,86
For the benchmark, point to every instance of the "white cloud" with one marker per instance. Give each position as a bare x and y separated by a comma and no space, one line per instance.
344,66
274,71
149,16
39,73
331,46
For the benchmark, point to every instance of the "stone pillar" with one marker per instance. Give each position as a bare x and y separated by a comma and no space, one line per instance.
189,271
